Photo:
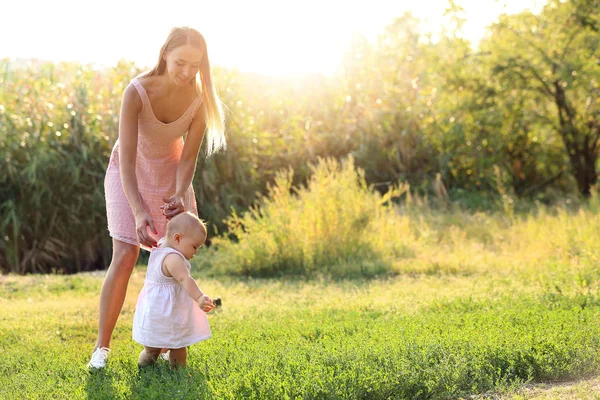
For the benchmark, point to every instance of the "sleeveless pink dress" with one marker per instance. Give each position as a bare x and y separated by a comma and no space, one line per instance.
166,317
159,150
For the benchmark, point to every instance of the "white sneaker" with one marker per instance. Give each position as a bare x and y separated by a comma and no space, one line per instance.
99,357
165,355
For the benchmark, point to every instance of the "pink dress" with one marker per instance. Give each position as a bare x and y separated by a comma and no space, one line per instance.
166,316
159,150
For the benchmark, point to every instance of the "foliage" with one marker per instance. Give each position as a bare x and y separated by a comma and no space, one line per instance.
552,60
57,125
335,225
514,117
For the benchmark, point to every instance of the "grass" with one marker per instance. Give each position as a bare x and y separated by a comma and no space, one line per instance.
432,335
462,304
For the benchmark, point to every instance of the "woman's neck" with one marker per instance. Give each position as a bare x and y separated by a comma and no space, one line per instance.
167,85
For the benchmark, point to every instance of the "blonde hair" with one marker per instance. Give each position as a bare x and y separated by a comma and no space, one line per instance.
186,222
213,108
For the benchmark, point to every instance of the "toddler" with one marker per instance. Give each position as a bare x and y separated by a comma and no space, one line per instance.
171,309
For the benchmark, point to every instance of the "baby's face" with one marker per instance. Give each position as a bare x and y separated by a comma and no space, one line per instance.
190,243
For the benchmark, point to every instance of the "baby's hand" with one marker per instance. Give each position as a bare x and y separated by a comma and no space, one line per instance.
205,303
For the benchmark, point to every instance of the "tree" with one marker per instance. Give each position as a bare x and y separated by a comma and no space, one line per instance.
553,58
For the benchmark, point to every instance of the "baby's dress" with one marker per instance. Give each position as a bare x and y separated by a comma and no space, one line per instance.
159,150
165,315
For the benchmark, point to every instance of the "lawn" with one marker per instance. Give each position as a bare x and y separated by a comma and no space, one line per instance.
335,292
427,335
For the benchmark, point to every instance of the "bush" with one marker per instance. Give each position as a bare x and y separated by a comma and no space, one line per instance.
335,225
57,127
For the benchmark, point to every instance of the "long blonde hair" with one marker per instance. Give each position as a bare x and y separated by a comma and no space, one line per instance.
213,109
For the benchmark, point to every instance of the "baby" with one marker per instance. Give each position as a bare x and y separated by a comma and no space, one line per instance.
171,309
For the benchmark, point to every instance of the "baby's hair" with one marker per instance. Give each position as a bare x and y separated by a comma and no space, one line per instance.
186,222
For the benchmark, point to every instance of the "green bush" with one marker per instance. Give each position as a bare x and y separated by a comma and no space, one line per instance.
335,225
57,126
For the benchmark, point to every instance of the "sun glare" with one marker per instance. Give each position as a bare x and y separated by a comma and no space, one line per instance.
264,36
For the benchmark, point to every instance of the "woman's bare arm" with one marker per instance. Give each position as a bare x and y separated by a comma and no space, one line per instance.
187,164
128,137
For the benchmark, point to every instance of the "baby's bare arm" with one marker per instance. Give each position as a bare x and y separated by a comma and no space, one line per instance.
175,266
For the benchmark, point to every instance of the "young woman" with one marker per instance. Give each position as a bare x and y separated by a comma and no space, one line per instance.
150,172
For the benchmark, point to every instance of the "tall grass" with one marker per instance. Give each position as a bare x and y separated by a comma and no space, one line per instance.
57,125
336,225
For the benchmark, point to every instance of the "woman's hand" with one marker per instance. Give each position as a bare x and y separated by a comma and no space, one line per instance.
143,221
173,206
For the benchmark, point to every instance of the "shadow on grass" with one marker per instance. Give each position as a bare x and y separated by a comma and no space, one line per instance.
154,382
333,263
99,385
160,382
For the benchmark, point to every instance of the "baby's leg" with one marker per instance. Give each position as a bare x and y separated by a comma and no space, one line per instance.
148,356
178,357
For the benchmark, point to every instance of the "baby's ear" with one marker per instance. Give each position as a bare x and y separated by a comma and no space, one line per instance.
177,237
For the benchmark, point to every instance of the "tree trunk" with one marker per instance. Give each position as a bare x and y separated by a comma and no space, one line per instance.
580,146
582,156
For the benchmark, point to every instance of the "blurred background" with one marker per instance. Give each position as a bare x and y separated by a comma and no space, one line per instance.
488,106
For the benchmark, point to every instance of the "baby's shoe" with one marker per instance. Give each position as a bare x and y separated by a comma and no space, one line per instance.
99,357
165,355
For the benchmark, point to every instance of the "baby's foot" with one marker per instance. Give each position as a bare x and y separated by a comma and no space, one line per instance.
165,355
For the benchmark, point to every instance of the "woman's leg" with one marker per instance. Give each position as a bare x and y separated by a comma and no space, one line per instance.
178,357
114,289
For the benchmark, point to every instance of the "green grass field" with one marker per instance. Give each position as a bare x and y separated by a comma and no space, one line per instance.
365,301
433,334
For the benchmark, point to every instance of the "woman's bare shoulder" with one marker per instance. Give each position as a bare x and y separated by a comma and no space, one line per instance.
147,81
131,98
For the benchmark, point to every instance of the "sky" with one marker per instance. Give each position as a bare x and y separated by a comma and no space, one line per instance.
275,37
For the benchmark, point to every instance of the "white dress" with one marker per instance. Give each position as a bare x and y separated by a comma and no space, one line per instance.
165,315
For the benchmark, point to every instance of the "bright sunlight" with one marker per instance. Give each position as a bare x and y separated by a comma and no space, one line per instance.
265,36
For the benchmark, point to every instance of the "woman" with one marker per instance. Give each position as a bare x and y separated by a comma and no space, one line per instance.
149,176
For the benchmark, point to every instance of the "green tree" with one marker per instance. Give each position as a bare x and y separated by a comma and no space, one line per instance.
552,59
